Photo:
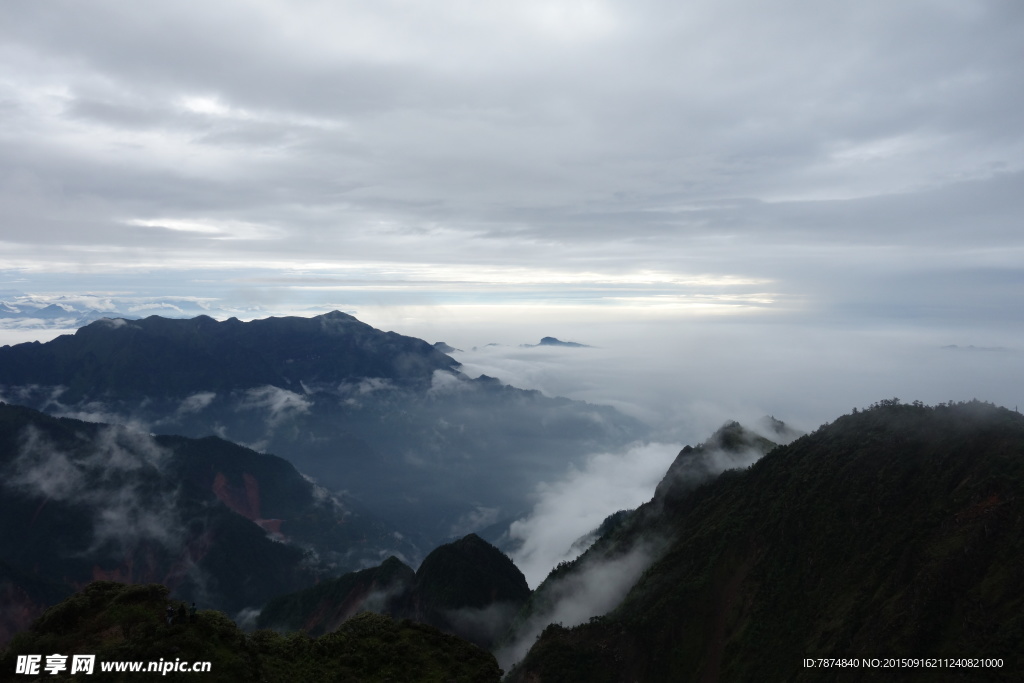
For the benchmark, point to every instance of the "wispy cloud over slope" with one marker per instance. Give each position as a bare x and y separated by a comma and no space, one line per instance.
575,505
116,482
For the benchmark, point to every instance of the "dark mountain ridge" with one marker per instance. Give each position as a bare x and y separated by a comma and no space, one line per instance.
386,418
324,607
468,588
596,582
212,520
893,532
172,357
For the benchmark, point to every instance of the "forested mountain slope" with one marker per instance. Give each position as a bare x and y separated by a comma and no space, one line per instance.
897,531
467,587
214,521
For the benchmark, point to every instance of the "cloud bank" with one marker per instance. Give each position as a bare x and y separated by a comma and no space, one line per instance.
595,588
713,157
577,504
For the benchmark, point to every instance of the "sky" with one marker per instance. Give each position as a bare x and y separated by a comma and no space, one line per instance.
745,207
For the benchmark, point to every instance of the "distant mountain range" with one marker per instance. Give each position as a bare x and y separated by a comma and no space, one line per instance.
21,310
162,358
34,314
385,417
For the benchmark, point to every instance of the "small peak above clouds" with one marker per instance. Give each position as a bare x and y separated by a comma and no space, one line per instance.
554,341
445,348
336,315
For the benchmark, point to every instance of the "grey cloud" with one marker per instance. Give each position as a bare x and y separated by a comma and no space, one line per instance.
43,469
104,480
480,517
279,403
569,508
370,385
443,382
861,163
97,411
196,402
595,587
246,618
660,111
115,114
686,379
125,449
487,624
128,517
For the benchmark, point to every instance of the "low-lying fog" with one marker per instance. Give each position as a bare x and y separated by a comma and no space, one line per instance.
686,379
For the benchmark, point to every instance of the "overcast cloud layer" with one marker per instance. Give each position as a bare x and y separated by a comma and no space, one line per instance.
780,188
